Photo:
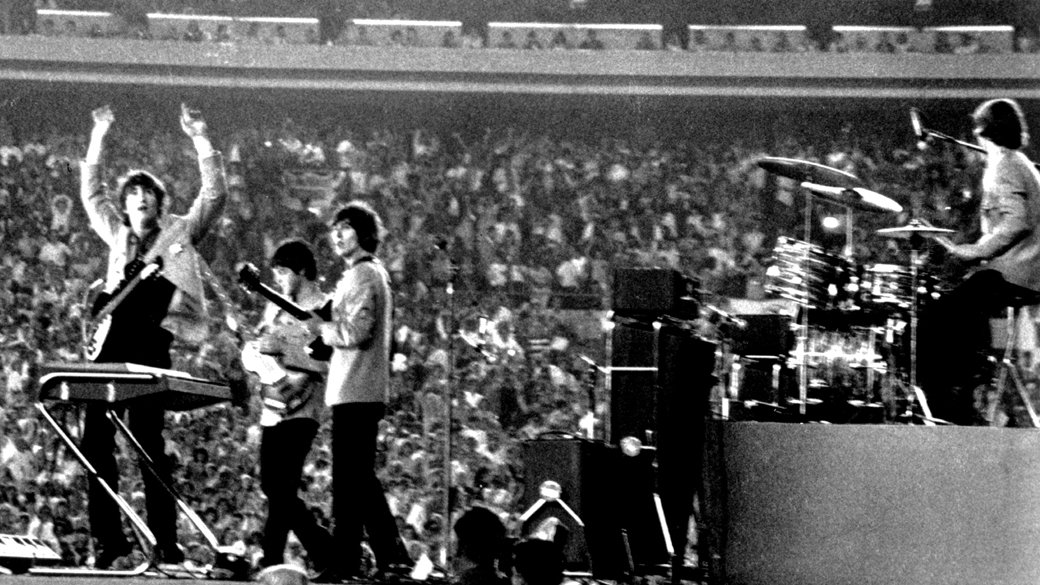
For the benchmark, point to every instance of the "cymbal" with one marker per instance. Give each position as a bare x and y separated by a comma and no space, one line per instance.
915,226
805,171
859,197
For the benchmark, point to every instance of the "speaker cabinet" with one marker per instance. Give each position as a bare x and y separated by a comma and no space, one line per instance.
672,404
762,335
583,471
611,494
652,291
632,394
685,380
19,553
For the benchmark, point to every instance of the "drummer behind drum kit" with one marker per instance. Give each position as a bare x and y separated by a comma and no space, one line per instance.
854,341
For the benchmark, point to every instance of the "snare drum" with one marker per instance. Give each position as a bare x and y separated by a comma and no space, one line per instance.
892,286
806,274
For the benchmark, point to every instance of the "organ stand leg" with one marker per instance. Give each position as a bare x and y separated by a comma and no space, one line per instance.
144,535
224,559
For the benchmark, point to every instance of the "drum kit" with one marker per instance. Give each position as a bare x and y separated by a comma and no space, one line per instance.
855,332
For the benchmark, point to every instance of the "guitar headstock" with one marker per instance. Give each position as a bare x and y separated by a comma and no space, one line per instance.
249,276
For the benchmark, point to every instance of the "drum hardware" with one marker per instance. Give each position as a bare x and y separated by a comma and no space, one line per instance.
835,186
888,287
859,198
915,227
805,171
914,232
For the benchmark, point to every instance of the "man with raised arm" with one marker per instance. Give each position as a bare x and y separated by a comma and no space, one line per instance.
130,219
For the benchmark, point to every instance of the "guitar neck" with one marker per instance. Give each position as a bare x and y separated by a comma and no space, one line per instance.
125,291
249,277
283,303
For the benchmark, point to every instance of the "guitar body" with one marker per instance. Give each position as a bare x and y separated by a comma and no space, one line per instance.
317,349
100,324
97,339
289,396
283,390
291,357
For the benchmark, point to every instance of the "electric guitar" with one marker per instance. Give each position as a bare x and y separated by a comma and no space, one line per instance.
285,381
100,324
318,350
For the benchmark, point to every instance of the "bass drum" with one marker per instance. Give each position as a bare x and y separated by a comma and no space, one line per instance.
805,273
849,360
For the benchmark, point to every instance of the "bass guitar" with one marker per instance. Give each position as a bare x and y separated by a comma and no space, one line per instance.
105,304
317,349
284,374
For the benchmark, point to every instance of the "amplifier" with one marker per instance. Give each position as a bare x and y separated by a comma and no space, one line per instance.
19,553
654,291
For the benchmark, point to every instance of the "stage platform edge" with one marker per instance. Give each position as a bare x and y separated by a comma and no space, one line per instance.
817,504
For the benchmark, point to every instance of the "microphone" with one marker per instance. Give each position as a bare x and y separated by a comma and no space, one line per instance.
442,257
917,123
592,364
728,317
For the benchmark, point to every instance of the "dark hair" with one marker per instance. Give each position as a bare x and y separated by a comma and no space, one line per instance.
146,181
365,221
481,534
539,562
1002,122
297,256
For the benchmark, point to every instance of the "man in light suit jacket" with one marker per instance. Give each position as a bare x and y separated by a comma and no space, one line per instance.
138,233
358,390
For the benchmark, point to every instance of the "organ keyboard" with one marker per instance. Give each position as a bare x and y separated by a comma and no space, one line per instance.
125,384
118,385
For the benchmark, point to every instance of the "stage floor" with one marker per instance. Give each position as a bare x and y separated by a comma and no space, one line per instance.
140,580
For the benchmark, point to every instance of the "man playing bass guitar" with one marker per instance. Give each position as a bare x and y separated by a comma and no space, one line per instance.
293,395
131,222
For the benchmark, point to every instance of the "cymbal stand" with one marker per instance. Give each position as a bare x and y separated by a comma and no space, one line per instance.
915,392
850,251
803,333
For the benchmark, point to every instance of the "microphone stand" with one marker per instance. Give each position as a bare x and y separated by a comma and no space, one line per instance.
449,396
926,135
590,385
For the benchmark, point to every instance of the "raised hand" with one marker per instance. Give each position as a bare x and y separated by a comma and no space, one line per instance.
103,118
192,122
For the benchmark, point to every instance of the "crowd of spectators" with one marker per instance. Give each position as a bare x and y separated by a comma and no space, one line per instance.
329,26
516,230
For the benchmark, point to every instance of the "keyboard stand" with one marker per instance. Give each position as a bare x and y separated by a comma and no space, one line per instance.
192,516
144,535
122,385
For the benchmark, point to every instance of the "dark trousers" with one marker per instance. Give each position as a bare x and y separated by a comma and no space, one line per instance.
99,447
358,503
953,344
150,348
283,450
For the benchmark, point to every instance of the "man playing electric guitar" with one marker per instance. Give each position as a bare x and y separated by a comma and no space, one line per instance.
293,385
131,222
